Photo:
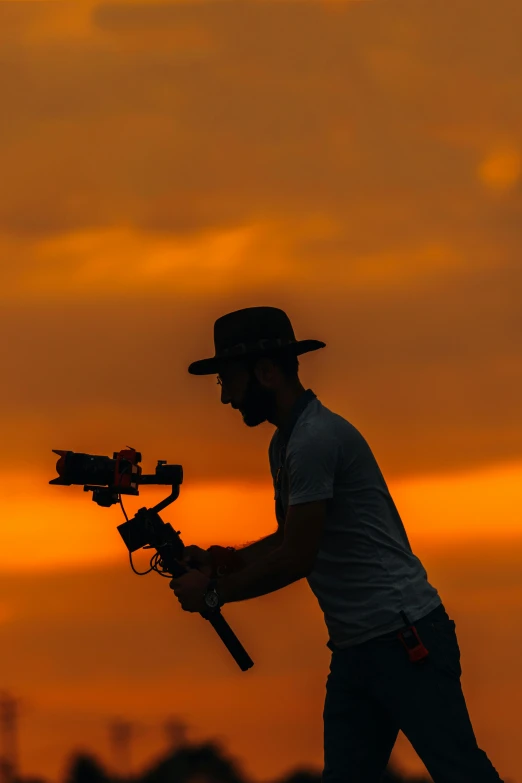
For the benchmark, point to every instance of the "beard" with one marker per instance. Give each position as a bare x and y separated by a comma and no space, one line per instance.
259,404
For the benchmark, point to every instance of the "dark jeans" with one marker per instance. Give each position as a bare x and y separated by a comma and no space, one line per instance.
373,691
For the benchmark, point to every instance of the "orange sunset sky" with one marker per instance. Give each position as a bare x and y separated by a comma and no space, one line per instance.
358,164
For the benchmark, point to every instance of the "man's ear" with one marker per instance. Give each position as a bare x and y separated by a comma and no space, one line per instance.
265,371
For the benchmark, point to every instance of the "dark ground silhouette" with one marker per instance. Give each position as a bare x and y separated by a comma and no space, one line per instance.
195,763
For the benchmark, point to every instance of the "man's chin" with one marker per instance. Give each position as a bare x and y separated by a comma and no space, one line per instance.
252,421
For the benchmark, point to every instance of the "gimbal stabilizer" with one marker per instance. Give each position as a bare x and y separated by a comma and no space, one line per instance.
108,479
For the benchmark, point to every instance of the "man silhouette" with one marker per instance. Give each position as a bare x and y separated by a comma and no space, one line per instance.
395,661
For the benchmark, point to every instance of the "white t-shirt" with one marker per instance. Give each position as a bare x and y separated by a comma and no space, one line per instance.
365,572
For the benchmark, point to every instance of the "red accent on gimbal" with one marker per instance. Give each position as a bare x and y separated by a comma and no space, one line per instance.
123,476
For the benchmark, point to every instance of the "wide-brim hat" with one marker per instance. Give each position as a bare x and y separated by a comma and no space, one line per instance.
250,332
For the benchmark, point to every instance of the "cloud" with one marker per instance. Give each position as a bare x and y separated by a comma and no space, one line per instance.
139,17
208,117
333,165
431,375
501,169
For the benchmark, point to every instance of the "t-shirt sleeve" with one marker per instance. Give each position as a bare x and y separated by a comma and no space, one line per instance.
311,460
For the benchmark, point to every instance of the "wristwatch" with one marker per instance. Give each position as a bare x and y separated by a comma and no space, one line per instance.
212,597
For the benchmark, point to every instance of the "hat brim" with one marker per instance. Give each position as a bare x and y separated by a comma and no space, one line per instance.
211,366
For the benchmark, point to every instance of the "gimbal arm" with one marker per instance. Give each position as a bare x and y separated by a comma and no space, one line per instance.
147,528
109,479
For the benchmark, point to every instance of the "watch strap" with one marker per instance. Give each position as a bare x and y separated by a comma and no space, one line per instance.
213,585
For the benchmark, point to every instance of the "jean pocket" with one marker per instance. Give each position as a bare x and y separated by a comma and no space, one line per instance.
445,651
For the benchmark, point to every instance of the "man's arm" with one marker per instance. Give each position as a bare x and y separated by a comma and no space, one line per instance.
249,554
252,553
269,572
290,561
311,465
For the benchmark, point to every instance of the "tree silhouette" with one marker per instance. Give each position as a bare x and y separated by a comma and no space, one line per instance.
84,768
206,761
302,776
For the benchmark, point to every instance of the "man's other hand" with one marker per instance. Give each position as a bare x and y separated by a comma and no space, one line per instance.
190,590
195,557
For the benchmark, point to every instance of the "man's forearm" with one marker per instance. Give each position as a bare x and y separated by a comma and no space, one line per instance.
249,554
264,575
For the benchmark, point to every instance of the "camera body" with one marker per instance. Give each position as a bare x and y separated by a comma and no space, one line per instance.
108,478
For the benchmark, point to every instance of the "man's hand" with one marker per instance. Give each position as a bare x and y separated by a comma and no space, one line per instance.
195,557
190,590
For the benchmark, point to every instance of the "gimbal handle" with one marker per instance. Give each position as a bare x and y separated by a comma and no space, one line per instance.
215,618
147,528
